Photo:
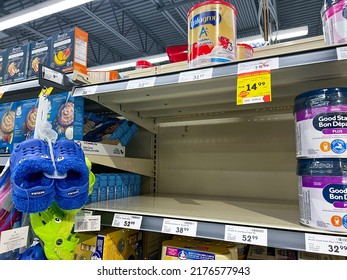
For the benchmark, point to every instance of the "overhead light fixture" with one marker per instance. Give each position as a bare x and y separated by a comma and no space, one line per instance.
130,63
38,11
281,35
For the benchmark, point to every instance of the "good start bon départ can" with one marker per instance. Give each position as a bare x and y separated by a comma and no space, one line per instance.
321,123
211,33
322,193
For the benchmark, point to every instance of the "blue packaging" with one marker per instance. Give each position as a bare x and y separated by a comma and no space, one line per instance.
131,184
125,185
125,139
94,196
137,190
66,115
39,53
7,122
3,58
103,187
16,65
111,186
25,120
119,185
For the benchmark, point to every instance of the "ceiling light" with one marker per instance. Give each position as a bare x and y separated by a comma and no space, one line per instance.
38,11
130,63
281,35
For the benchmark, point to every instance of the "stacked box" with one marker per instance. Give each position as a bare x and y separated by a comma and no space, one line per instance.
69,50
110,244
111,186
16,64
103,180
66,115
39,53
94,196
137,190
119,186
25,120
7,122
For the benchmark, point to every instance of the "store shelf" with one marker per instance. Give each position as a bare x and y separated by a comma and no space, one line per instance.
279,217
170,101
135,165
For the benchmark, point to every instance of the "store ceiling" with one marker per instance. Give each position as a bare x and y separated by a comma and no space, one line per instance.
127,29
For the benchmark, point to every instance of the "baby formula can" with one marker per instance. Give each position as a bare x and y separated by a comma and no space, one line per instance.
323,193
321,123
244,51
334,21
211,33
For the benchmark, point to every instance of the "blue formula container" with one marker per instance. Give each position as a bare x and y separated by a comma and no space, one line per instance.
323,193
321,123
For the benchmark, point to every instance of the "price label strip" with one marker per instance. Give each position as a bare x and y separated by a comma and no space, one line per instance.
195,75
332,245
87,223
53,76
13,239
141,83
254,81
127,221
248,235
179,227
341,53
83,91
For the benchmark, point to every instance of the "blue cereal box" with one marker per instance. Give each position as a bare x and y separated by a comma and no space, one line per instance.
66,115
7,120
94,196
25,120
39,53
119,186
16,65
103,180
111,186
3,58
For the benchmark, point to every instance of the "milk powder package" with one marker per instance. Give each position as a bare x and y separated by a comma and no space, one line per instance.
39,53
7,121
323,193
321,123
26,113
16,65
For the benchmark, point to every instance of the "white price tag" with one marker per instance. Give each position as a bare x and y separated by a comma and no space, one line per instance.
141,83
180,227
4,89
87,223
341,53
195,75
248,235
332,245
53,76
258,65
127,221
13,239
82,91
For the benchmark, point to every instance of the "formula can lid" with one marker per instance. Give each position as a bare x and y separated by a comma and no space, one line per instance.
245,46
320,97
322,167
211,2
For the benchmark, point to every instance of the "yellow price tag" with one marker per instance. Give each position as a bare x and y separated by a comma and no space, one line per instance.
46,91
253,87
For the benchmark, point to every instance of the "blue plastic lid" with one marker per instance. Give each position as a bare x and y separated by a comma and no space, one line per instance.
320,98
322,167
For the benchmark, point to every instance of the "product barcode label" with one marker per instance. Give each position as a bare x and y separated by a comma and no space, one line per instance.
195,75
248,235
325,244
341,53
258,65
141,83
13,239
87,223
83,91
180,227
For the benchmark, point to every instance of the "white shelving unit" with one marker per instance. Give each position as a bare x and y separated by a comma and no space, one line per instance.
217,163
